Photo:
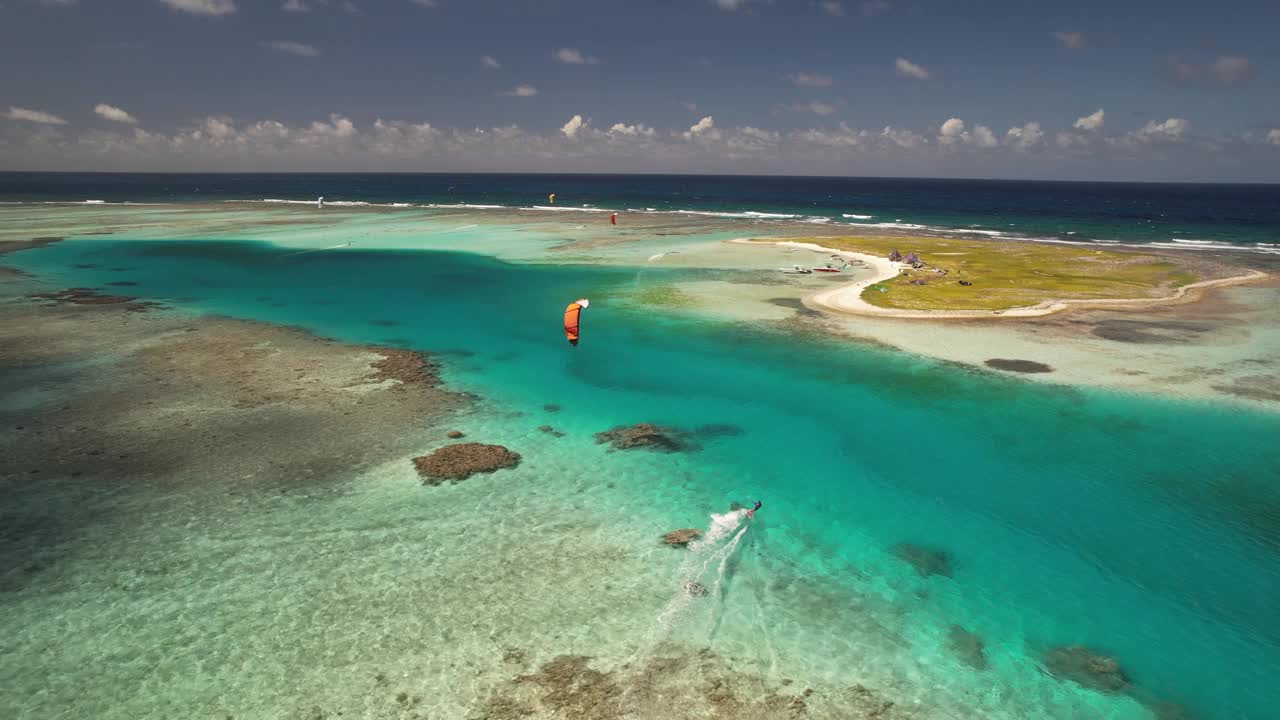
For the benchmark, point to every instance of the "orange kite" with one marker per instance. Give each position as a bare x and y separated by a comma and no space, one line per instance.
571,314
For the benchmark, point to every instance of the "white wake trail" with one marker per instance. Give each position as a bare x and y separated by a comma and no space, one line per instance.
701,577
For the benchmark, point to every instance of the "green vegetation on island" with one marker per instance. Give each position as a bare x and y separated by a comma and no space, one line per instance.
1004,275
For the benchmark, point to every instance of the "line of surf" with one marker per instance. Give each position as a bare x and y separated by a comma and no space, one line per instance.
853,221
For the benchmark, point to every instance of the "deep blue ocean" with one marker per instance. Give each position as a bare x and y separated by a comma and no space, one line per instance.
1191,215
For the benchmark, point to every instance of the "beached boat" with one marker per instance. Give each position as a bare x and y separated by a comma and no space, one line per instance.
796,270
828,268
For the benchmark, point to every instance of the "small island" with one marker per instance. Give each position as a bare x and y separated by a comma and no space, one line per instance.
947,277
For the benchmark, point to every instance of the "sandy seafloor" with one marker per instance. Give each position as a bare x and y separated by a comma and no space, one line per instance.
288,563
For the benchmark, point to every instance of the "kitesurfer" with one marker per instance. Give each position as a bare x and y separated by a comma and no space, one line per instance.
613,218
752,512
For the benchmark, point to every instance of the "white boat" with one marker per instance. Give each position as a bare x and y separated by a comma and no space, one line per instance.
797,270
828,268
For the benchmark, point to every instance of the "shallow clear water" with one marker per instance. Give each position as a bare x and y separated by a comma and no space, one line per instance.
1148,529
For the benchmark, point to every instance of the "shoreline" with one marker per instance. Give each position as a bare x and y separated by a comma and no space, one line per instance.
847,299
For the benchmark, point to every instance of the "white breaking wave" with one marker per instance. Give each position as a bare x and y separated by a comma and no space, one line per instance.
904,226
567,209
748,214
851,216
1176,244
78,202
335,203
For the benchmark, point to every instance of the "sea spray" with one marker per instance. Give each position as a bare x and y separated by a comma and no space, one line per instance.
702,571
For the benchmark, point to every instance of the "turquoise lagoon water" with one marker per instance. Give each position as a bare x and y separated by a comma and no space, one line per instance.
1146,528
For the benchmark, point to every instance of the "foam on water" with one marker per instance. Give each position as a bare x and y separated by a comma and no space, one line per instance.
701,575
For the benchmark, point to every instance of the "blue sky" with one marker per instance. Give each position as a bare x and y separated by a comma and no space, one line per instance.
1189,90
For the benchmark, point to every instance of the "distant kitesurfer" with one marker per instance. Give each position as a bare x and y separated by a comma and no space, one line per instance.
752,512
613,218
320,202
551,198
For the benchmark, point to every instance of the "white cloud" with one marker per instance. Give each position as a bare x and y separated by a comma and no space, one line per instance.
338,128
952,128
953,132
571,56
489,62
706,127
902,138
1090,122
35,116
983,137
906,68
956,147
218,127
1069,140
810,80
1225,70
872,8
637,130
203,7
1025,137
751,140
843,136
391,138
1232,69
290,47
571,128
832,7
1072,40
523,91
1170,130
296,6
815,107
114,114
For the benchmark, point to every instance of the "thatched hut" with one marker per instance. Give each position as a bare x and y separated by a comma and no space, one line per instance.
895,256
